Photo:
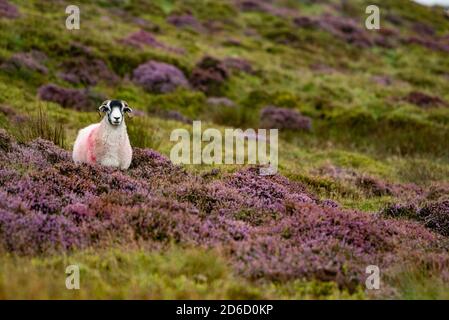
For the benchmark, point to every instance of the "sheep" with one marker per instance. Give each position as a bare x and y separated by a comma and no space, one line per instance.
107,142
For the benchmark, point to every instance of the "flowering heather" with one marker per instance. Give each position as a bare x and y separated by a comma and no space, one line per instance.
283,118
209,75
66,97
86,71
265,7
436,217
238,65
185,21
373,186
346,29
424,100
433,43
28,60
269,226
5,140
142,38
8,10
159,77
305,22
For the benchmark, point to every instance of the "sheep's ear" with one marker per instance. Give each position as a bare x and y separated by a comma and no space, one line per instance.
126,107
104,106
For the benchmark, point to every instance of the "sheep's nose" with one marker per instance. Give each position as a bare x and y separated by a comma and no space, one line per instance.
117,118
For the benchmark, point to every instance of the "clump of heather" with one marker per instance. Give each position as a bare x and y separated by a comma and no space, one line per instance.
283,118
185,21
373,186
270,227
66,97
8,10
431,43
81,70
142,38
159,77
12,114
433,215
29,233
209,75
265,7
5,140
436,217
238,65
28,60
346,29
397,210
424,100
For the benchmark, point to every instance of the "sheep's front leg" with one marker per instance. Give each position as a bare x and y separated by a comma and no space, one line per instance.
126,156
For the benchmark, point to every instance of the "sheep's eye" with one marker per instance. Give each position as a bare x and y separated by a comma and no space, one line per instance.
104,109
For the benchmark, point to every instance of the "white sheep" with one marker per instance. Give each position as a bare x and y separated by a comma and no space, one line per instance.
107,142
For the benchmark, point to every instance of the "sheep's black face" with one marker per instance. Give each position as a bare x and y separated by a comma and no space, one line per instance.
115,111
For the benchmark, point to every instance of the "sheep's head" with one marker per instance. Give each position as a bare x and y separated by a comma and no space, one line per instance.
115,110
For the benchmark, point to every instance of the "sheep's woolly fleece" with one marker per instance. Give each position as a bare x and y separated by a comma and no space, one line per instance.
101,143
269,227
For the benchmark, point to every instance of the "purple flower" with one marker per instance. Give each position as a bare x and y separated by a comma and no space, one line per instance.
185,21
8,10
159,77
282,118
30,60
87,71
67,98
209,75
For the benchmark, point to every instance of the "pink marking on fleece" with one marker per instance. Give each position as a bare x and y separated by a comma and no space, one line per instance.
90,146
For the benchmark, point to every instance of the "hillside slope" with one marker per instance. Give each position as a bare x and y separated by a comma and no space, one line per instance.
363,152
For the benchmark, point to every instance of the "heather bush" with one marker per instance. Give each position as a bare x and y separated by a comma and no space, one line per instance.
345,29
282,118
424,100
209,76
185,21
270,227
66,97
33,61
398,210
8,10
265,7
82,70
238,65
431,43
159,77
373,187
5,140
142,38
436,217
12,115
